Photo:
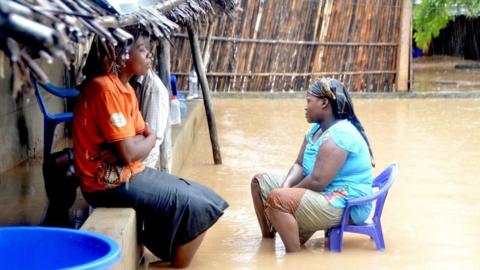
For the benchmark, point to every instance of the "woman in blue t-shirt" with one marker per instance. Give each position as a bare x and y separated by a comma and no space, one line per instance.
334,165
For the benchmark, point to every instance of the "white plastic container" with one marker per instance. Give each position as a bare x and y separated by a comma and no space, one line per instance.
175,115
192,85
183,109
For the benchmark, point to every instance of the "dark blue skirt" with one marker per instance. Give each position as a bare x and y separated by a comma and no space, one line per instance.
171,211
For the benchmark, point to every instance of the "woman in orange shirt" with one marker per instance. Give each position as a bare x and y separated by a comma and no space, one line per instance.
111,138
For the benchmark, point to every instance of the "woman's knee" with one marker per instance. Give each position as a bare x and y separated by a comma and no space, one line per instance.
276,199
186,252
284,199
255,183
182,263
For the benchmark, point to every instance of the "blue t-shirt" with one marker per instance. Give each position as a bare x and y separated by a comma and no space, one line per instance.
354,179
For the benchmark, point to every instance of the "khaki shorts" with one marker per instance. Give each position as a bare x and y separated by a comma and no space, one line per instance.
311,209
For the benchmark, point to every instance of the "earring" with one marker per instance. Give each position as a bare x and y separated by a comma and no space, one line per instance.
116,68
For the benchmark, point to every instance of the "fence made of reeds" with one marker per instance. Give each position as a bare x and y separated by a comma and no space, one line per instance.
285,45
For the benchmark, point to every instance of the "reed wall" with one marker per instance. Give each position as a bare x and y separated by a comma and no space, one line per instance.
284,45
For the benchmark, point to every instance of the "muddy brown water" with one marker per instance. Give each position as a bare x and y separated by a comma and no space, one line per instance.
432,214
431,219
438,73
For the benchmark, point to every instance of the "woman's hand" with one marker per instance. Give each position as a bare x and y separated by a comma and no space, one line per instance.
295,174
135,148
148,130
107,156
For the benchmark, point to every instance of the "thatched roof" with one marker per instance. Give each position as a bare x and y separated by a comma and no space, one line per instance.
52,28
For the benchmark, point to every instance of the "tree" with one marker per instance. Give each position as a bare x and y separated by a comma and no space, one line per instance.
431,16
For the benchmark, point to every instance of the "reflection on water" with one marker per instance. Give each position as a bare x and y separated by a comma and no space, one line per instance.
438,73
431,216
22,196
23,200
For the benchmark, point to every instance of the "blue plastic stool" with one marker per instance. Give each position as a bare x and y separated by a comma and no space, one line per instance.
55,248
50,121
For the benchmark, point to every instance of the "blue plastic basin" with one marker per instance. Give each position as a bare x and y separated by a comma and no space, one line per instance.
55,248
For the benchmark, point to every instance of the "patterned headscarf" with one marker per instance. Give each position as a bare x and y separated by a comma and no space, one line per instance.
341,102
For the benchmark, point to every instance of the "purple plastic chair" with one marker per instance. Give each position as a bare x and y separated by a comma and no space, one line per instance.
373,227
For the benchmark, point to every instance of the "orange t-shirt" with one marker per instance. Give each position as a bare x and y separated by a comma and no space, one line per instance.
106,111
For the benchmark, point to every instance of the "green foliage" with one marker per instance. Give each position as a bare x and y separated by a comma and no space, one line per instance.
431,16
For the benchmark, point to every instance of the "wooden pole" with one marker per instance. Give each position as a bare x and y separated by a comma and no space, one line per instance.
404,50
319,60
410,62
163,57
293,74
297,42
212,127
208,45
252,48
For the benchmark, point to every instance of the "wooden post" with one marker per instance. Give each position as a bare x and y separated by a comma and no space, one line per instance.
410,63
163,57
318,59
212,127
208,45
404,49
254,45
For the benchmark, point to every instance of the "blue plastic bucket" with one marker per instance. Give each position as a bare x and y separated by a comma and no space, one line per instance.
55,248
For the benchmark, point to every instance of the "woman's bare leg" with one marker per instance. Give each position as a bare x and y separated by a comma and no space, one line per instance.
259,208
184,253
304,237
287,226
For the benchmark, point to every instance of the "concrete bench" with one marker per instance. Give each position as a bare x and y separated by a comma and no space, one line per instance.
120,224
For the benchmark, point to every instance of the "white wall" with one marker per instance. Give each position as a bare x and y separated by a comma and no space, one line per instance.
12,152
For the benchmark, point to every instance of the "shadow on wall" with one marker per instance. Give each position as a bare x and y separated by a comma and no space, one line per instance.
21,122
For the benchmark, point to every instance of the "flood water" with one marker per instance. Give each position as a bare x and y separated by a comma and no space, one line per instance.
22,195
432,214
23,200
431,218
438,73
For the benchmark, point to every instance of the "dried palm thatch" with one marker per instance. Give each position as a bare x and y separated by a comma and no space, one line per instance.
48,29
167,16
53,28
